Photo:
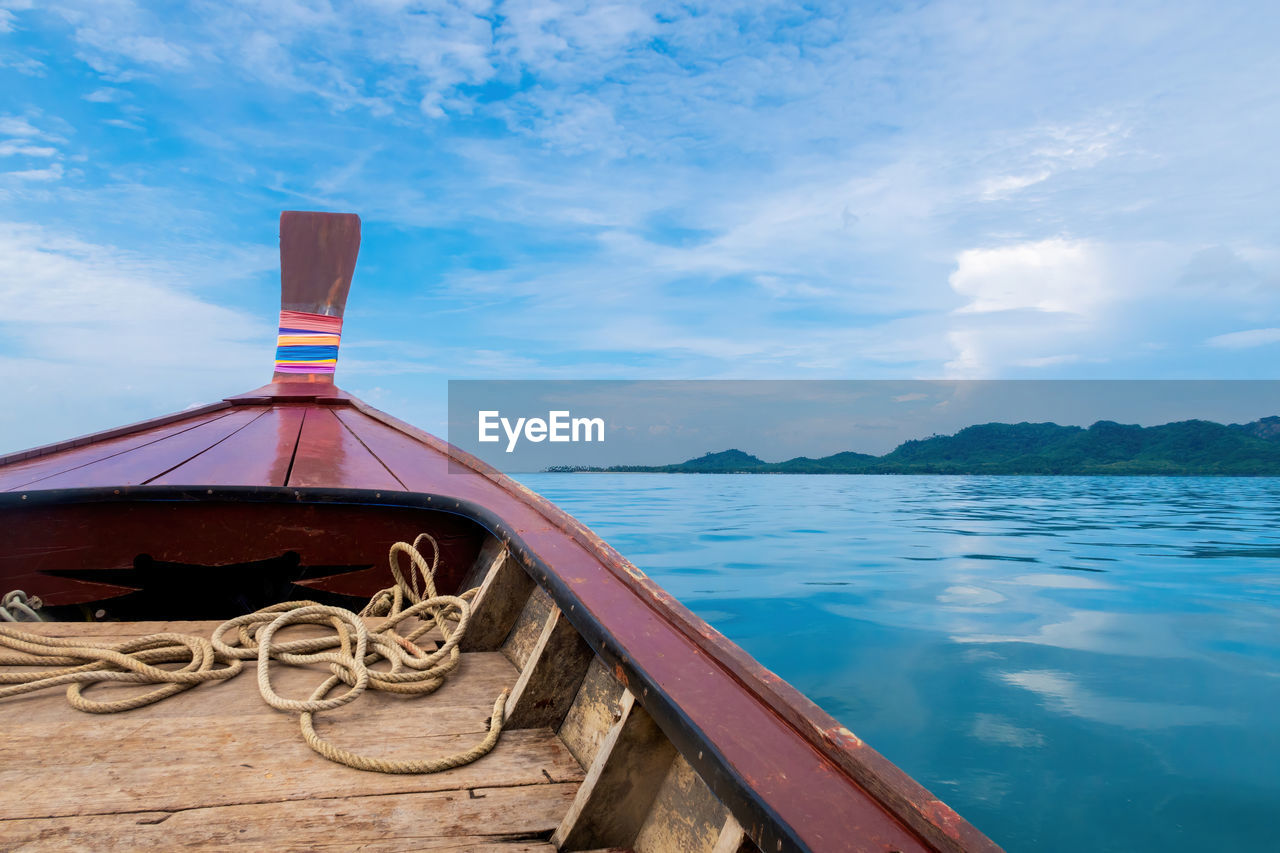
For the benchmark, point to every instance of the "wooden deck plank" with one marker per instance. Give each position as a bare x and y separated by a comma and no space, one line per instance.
137,466
18,474
451,709
188,770
476,844
115,631
507,819
258,455
107,631
328,452
211,768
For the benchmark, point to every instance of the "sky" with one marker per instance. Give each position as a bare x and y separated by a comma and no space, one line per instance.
645,190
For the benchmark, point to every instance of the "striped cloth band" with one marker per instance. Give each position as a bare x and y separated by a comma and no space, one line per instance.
308,343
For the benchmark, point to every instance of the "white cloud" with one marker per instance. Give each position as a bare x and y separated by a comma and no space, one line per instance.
1002,345
7,17
54,280
10,149
51,173
1038,305
1014,162
849,201
117,32
18,126
1055,275
24,65
114,326
28,140
1006,185
1245,339
104,95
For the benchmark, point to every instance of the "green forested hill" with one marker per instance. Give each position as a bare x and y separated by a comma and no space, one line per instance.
1183,448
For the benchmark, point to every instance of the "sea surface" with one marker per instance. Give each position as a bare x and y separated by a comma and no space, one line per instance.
1072,663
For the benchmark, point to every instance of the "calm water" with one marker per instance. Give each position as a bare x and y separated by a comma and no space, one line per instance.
1071,663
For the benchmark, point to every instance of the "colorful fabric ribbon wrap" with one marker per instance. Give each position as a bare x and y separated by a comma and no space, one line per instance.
308,343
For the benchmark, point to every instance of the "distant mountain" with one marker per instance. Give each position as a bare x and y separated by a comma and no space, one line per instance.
1267,429
839,463
724,462
1183,448
1186,447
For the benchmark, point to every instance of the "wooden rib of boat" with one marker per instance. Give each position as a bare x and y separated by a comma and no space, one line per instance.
632,723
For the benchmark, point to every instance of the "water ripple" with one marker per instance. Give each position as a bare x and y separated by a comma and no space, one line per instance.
1035,649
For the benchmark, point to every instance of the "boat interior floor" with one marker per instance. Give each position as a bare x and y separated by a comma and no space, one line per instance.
215,766
579,766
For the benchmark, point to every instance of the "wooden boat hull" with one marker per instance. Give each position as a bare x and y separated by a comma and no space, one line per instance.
300,485
789,773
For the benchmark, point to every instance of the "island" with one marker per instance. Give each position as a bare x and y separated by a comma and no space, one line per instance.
1184,448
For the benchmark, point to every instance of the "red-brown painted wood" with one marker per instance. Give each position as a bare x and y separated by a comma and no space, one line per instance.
34,471
317,259
110,535
293,391
137,466
59,591
114,432
258,455
328,454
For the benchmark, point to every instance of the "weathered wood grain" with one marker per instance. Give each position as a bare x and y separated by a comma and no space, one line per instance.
108,631
220,766
528,627
495,608
217,767
593,713
462,704
551,677
506,819
685,815
620,787
491,551
733,839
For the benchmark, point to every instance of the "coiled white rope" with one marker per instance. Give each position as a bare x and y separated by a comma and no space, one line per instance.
350,654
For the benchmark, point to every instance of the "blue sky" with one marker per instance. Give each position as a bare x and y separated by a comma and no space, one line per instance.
584,190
